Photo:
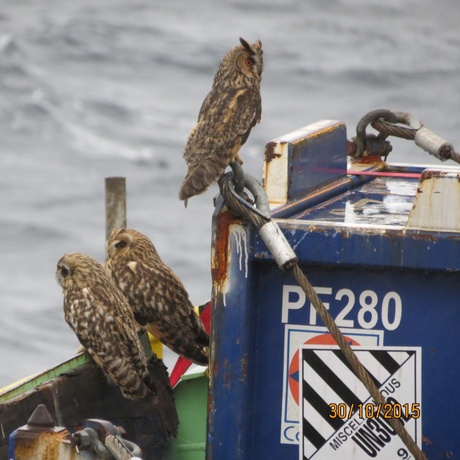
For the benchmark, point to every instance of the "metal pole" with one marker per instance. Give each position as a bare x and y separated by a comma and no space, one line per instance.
115,204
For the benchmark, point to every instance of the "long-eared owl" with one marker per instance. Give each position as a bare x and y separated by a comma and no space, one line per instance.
227,115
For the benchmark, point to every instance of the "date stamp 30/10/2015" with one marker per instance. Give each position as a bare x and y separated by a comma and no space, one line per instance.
370,410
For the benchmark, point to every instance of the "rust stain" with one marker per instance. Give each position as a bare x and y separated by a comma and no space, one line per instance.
388,233
210,403
244,368
220,254
430,174
270,152
215,367
227,374
425,237
46,446
369,159
350,148
426,440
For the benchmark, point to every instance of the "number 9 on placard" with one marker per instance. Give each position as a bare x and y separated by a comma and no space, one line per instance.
403,453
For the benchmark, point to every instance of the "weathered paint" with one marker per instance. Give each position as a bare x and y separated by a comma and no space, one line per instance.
219,251
353,241
437,202
229,374
83,392
40,439
33,381
46,445
29,383
284,165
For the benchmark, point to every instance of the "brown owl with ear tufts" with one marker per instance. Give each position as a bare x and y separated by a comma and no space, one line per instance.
98,313
156,295
229,112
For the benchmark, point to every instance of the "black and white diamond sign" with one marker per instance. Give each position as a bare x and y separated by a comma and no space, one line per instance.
338,417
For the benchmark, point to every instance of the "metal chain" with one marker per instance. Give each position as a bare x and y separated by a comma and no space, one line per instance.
246,211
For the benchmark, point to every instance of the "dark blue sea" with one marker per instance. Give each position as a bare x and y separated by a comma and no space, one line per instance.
91,89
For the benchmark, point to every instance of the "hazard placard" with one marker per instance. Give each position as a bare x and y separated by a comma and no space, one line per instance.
338,417
296,335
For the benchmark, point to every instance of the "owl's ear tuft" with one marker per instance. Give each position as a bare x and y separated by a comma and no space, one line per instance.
246,45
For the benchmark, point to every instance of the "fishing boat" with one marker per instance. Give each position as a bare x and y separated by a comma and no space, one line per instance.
333,320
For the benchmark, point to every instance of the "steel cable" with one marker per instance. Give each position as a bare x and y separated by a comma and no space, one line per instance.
389,123
356,365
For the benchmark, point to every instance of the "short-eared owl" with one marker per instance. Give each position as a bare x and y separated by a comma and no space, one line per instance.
227,115
157,296
98,313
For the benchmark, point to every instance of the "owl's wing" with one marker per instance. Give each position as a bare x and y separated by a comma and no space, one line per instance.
217,138
110,341
220,123
161,301
177,325
180,327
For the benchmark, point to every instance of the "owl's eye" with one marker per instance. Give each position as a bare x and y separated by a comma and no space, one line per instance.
121,244
249,62
65,272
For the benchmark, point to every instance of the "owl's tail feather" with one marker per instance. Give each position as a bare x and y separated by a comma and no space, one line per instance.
130,382
200,177
135,387
198,355
203,338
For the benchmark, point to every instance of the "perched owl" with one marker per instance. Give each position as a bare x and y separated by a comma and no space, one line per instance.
230,110
157,296
98,313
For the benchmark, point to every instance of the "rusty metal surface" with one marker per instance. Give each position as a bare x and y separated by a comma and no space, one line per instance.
379,222
378,277
45,446
85,393
288,174
231,252
219,249
437,202
417,270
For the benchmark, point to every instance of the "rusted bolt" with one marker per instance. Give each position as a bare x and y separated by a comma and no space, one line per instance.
82,439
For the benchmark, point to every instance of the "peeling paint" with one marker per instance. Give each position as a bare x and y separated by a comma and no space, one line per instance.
241,247
436,204
244,368
270,153
47,445
220,253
